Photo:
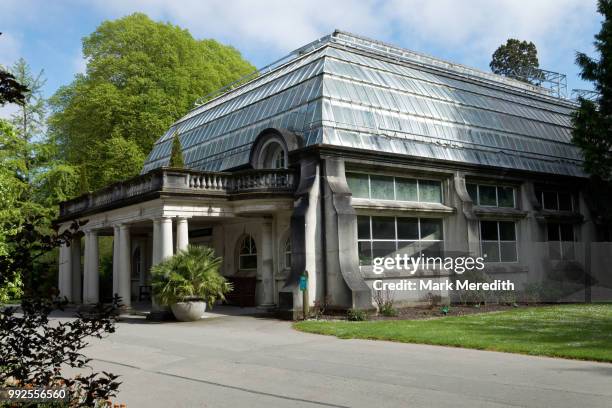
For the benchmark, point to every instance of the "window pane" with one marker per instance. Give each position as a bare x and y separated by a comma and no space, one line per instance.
406,189
505,196
383,228
248,261
408,228
550,201
382,187
488,230
363,227
472,190
567,232
430,191
508,251
568,250
358,183
553,232
410,248
490,251
487,195
365,253
431,229
565,202
432,249
381,249
507,232
554,250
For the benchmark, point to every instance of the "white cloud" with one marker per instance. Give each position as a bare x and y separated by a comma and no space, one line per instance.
10,48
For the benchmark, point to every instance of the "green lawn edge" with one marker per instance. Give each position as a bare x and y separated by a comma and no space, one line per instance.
582,332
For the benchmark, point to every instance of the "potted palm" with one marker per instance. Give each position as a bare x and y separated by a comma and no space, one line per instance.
188,281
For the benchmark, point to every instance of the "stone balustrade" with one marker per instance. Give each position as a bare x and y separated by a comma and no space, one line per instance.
181,181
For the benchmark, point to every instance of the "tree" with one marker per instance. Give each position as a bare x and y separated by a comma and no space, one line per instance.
141,76
176,155
516,59
11,91
592,120
29,119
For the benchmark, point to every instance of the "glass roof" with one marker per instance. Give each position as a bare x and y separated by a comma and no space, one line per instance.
351,94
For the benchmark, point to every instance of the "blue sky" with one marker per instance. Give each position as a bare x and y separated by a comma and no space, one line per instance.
48,33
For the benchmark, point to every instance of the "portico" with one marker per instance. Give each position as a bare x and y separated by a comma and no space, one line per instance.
186,203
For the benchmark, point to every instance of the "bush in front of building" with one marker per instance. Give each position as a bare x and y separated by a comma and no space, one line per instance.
356,315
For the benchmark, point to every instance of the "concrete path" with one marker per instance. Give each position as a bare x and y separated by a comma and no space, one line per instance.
245,361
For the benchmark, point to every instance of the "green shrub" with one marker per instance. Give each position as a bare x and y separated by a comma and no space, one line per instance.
191,274
356,315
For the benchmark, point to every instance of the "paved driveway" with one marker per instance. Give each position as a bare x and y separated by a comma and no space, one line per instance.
245,361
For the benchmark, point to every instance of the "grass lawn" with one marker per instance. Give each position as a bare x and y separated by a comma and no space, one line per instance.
570,331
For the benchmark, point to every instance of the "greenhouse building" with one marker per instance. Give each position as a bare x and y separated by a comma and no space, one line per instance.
345,151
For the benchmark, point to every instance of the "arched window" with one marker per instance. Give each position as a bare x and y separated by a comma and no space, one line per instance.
247,256
273,156
287,253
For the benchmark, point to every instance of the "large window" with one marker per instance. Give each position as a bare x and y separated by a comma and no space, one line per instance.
498,241
247,256
394,188
386,236
491,195
555,200
560,241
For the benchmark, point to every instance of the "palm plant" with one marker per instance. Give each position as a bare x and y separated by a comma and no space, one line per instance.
190,275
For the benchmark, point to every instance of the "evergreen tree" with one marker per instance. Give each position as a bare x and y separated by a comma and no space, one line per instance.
176,155
593,119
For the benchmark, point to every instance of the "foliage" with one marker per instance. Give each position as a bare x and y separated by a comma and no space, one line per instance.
121,157
592,121
356,315
384,301
176,155
516,59
320,307
11,91
191,274
468,296
141,76
571,331
35,350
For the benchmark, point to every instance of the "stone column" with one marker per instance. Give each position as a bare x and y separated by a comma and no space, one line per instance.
165,244
116,245
75,256
65,272
124,280
182,234
155,250
267,267
92,274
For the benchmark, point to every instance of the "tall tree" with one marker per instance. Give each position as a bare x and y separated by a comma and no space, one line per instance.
29,119
593,119
516,59
141,76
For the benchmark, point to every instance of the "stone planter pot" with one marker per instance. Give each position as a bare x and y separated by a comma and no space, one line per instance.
188,311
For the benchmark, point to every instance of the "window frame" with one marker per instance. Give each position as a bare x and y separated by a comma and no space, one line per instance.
415,179
561,248
497,187
252,252
557,193
499,241
396,240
